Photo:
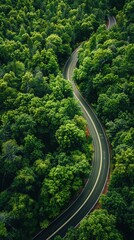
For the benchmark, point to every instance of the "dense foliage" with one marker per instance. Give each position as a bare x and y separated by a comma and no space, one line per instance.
105,76
99,225
44,150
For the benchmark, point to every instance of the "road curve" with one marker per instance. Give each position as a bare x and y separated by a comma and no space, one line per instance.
100,166
111,21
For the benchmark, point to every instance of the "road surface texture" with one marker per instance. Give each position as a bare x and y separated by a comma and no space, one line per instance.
100,166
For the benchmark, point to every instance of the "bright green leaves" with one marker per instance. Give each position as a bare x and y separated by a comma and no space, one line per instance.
24,124
22,209
124,168
60,88
64,180
18,68
40,171
80,164
115,204
112,105
3,230
100,58
105,77
38,110
99,225
33,147
24,181
69,136
7,49
11,79
59,176
42,167
54,41
7,95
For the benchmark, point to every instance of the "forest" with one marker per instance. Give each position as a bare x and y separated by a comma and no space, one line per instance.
45,152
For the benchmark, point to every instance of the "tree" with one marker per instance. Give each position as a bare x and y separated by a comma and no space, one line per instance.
18,68
123,172
33,148
24,180
99,225
3,230
11,159
7,96
42,167
23,209
114,203
27,81
59,194
55,42
44,150
69,136
129,7
70,109
61,89
112,105
11,80
72,234
23,124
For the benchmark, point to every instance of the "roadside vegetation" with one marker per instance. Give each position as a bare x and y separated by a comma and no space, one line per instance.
105,76
45,153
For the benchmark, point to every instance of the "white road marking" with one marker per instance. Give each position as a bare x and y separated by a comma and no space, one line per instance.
99,168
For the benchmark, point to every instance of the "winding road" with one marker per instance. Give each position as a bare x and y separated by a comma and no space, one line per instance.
100,167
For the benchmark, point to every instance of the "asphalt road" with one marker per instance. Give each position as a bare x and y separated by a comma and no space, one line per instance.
111,22
100,166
